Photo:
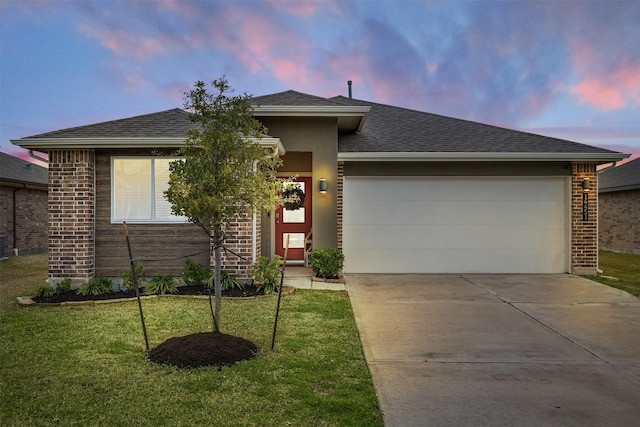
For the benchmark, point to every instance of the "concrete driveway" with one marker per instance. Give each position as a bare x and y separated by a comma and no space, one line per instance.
512,350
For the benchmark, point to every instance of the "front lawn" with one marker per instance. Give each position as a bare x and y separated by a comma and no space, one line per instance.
625,267
85,365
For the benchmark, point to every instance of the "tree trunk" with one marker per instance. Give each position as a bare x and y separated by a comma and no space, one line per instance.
217,282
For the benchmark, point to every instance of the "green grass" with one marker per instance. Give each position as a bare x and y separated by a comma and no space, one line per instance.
625,267
85,365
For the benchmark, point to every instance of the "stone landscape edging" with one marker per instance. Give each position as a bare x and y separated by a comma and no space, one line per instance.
29,302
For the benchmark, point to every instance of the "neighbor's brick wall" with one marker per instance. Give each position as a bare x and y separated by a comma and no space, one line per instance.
31,219
584,234
619,221
239,240
71,214
340,200
6,217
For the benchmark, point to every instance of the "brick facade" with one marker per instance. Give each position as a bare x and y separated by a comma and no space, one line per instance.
71,214
584,233
239,242
30,206
619,221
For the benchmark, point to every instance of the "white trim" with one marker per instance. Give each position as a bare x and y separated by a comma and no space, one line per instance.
477,157
121,142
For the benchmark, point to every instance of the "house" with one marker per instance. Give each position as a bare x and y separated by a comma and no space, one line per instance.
619,208
23,206
398,190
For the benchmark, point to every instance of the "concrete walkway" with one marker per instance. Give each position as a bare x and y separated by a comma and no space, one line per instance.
302,278
500,350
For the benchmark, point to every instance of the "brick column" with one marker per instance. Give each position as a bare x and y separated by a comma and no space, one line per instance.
584,233
71,215
340,200
239,239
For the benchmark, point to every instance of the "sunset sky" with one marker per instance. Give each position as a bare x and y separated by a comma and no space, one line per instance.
568,69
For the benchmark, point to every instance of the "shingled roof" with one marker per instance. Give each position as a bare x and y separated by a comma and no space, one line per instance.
172,123
382,129
293,98
14,170
395,129
620,178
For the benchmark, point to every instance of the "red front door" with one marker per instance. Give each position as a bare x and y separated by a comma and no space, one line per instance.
294,223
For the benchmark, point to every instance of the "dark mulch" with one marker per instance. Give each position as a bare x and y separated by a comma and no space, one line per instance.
203,349
247,291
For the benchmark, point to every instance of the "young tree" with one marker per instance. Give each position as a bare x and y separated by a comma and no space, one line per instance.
224,173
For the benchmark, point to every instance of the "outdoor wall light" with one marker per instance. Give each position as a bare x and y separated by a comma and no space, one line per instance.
586,185
323,186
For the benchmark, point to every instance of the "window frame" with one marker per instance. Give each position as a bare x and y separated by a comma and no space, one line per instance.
153,203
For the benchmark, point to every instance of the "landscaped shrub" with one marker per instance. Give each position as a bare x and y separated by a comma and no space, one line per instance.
127,277
267,273
63,286
194,273
160,285
327,263
228,280
96,286
45,291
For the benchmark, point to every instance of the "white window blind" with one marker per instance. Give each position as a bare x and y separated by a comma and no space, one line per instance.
137,190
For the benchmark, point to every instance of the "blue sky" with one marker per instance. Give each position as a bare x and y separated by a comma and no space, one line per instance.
568,69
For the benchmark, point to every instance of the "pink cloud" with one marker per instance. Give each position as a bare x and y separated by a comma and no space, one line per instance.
287,69
182,8
609,85
125,43
262,45
629,79
599,94
302,9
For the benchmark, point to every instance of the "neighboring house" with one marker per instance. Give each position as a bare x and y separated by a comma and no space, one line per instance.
23,206
406,191
619,208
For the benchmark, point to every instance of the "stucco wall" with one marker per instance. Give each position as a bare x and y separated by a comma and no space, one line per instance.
318,136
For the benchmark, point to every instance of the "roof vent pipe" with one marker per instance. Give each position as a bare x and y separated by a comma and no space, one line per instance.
349,84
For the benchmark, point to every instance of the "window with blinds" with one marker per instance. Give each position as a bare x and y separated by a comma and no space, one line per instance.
137,190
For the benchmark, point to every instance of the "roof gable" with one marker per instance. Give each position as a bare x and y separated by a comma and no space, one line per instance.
292,98
620,178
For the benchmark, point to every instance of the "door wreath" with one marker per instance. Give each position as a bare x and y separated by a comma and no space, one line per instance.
293,197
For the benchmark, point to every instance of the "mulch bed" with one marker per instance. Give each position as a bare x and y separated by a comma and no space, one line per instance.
247,291
203,349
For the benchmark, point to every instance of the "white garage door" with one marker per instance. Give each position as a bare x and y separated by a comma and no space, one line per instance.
455,225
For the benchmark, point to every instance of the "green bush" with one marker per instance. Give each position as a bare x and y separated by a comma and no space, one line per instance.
45,291
127,277
194,273
63,286
96,286
327,263
267,274
228,280
160,285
